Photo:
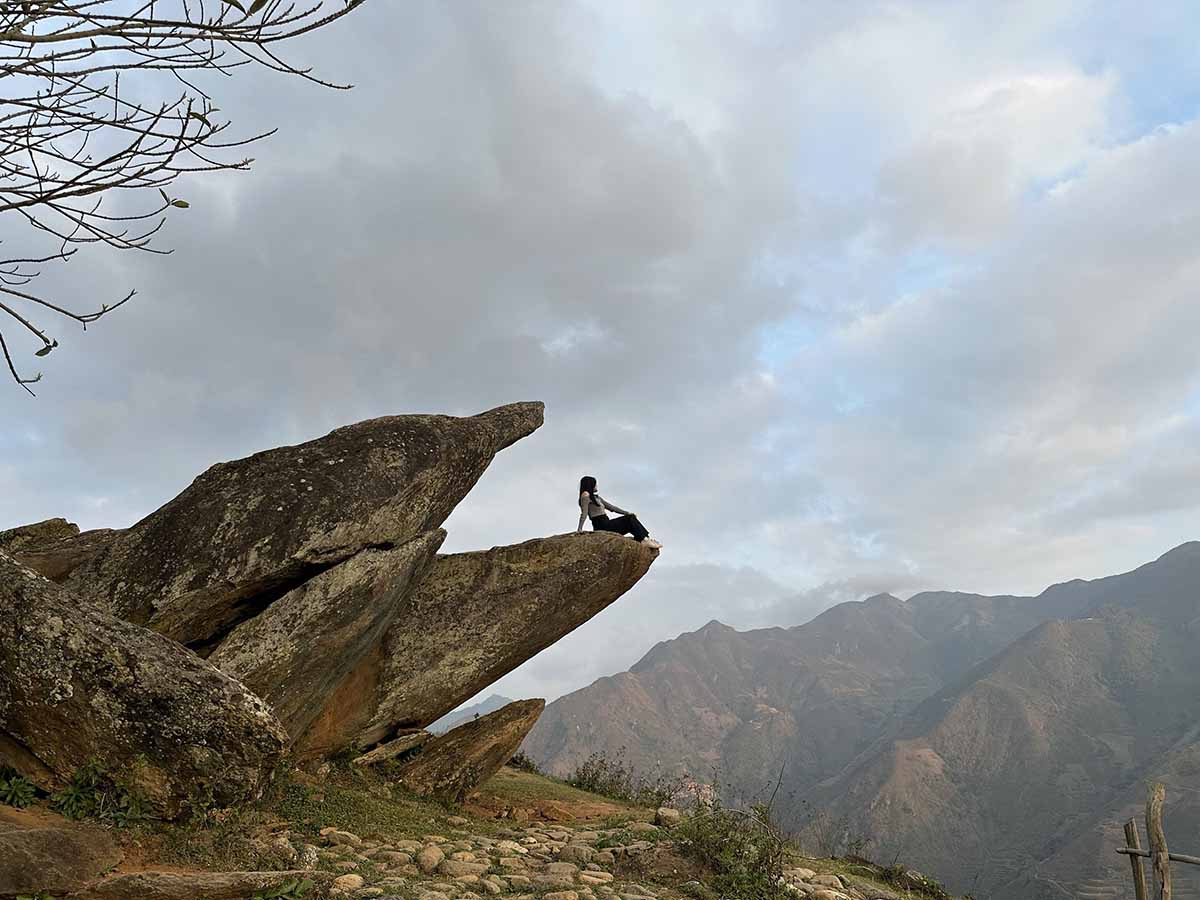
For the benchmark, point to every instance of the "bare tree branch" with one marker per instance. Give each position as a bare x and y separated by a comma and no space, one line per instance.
69,134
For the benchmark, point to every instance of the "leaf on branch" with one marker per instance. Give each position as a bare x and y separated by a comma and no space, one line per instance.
180,204
45,351
256,6
234,3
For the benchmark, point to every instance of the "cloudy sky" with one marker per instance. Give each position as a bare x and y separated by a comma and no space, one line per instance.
839,297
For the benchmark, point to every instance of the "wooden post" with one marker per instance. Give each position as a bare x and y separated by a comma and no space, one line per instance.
1158,842
1139,873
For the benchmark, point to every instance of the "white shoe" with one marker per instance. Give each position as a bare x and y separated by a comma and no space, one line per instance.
652,543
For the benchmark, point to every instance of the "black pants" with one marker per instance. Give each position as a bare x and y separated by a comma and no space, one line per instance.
621,525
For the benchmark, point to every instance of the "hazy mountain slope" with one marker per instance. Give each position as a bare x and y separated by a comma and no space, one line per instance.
1019,776
1036,751
996,741
807,699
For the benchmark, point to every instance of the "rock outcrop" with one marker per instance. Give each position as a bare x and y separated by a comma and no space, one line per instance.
14,540
474,618
452,765
47,856
297,653
58,558
77,684
246,532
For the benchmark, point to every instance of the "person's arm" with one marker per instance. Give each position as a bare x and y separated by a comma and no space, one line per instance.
612,507
583,506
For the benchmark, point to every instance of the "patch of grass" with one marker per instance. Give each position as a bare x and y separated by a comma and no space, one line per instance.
518,786
620,838
899,877
291,890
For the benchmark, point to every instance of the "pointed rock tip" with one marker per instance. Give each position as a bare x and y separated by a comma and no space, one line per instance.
514,421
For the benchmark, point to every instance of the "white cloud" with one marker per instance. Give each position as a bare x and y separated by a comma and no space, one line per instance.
840,297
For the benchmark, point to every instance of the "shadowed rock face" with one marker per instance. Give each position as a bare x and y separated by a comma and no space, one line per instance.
475,617
246,532
297,652
449,767
77,684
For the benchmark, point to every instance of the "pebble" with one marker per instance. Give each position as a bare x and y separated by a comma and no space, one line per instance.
348,882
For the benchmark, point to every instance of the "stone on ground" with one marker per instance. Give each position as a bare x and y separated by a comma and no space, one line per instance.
246,532
298,651
452,765
201,885
77,685
56,857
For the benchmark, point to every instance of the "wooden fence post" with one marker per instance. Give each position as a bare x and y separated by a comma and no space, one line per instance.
1158,842
1139,873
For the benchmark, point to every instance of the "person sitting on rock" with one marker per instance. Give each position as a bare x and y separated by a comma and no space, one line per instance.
592,506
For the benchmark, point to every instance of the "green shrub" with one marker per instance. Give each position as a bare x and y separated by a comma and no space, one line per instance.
524,762
744,850
93,794
614,778
16,790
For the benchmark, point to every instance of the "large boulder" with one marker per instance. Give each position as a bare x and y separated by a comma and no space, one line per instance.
79,685
451,766
297,653
246,532
477,616
39,852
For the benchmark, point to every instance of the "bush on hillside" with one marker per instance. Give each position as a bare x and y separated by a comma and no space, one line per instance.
742,847
615,778
523,762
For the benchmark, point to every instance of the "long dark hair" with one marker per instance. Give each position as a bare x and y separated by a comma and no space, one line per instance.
587,484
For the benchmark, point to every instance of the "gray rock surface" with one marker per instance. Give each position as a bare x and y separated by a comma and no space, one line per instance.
77,684
298,651
477,616
246,532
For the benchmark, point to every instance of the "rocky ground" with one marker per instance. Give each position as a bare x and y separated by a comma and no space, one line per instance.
522,836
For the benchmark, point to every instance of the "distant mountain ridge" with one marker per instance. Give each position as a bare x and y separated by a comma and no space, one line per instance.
984,738
467,713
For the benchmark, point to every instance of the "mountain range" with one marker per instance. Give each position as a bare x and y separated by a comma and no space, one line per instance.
999,743
467,713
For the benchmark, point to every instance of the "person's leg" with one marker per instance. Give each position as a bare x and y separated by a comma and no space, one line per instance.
628,525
